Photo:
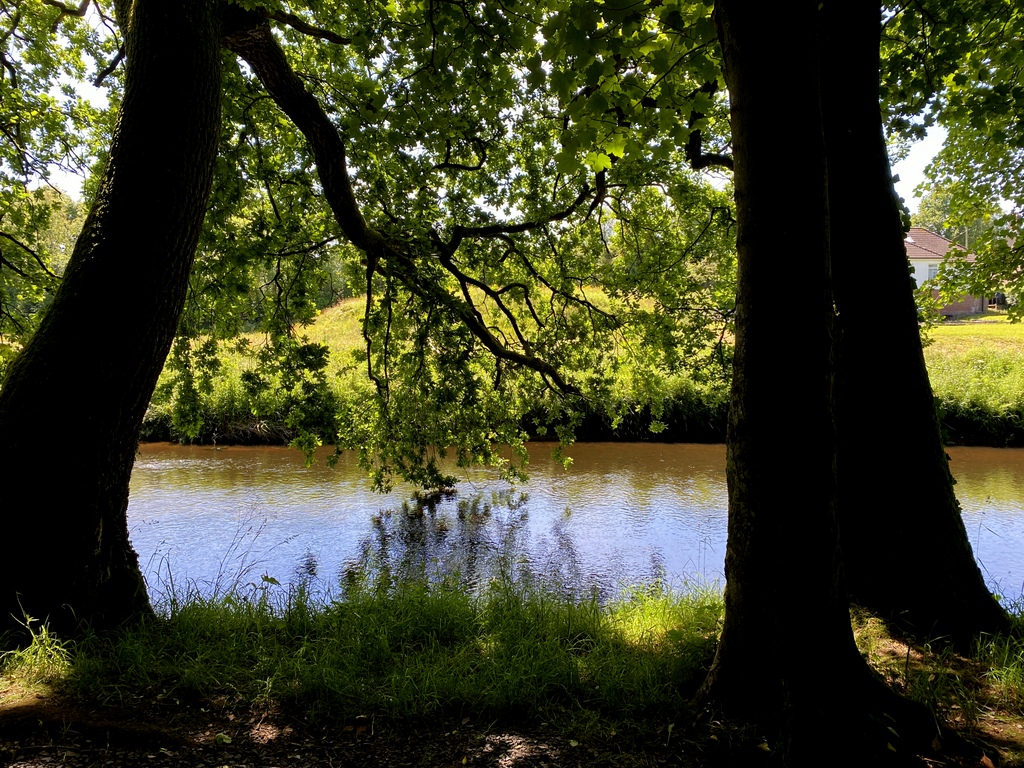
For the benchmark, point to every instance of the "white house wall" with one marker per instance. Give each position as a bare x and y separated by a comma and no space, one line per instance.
921,269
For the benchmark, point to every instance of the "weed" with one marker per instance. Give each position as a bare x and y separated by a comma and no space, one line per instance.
45,659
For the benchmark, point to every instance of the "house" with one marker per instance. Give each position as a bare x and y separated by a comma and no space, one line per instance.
926,251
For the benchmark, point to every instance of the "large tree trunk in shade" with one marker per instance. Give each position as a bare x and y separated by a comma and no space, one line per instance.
787,620
93,364
905,549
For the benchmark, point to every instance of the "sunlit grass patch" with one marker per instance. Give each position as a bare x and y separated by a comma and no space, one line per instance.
44,662
977,694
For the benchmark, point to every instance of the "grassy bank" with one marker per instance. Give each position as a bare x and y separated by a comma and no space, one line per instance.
977,374
414,650
976,369
423,656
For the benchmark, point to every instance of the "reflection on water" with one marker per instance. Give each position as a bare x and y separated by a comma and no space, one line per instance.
474,538
209,519
990,486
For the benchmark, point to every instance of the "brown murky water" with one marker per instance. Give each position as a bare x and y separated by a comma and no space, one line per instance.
215,518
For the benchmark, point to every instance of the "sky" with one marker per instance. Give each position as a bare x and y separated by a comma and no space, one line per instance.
911,170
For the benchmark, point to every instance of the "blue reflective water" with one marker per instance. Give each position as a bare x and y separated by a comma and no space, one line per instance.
212,519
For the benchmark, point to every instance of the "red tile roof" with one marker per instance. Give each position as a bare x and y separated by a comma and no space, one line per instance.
922,244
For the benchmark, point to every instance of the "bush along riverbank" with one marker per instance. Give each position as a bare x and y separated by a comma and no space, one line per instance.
976,369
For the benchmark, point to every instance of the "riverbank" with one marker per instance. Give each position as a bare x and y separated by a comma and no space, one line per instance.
430,675
976,369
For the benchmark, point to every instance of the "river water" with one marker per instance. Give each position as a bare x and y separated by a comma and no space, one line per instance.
214,519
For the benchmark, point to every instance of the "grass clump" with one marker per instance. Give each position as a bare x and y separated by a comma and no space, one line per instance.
45,660
413,649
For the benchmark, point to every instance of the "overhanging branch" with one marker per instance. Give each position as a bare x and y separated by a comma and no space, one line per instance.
305,28
248,34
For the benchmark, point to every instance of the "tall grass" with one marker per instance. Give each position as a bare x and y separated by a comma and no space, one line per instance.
44,659
977,376
422,648
416,648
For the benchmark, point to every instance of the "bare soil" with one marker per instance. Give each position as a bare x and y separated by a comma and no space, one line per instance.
45,729
39,730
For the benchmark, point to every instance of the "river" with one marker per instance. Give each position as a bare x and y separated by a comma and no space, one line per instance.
209,519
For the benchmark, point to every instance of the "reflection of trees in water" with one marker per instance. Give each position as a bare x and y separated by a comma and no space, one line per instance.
472,539
562,566
475,539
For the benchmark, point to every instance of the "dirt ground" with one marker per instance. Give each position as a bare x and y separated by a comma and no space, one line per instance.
40,730
43,730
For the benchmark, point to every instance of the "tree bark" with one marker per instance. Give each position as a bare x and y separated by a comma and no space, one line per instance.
905,549
783,564
93,364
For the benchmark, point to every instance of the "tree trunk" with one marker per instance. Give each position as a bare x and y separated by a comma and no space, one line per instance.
92,366
905,550
786,657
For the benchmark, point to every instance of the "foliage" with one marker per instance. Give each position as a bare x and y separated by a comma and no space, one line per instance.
513,161
43,225
45,125
230,401
959,64
512,158
935,211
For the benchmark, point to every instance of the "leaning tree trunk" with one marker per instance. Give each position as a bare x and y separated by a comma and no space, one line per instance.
786,658
905,549
73,402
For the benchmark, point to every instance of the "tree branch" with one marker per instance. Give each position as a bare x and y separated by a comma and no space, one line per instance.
693,150
299,25
248,34
447,162
66,10
459,233
108,70
38,259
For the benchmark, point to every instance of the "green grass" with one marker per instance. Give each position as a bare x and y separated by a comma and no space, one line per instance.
977,374
416,649
45,659
423,650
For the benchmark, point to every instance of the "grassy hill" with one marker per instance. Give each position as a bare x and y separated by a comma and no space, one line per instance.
976,369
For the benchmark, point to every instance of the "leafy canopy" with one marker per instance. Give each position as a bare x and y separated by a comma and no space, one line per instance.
523,214
959,65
